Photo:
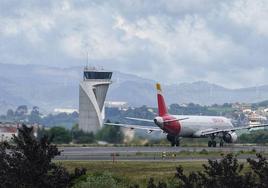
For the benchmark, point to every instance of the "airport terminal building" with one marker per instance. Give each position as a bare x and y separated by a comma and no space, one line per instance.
92,94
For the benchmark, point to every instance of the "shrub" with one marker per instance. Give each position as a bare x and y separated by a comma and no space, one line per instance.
104,180
203,152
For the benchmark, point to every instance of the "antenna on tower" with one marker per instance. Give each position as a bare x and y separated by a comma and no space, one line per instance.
86,48
87,57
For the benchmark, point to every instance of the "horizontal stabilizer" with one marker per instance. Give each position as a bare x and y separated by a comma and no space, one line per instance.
140,119
148,128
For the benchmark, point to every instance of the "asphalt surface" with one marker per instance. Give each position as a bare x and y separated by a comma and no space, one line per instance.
150,153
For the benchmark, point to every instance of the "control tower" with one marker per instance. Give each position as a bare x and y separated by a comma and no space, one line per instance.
92,94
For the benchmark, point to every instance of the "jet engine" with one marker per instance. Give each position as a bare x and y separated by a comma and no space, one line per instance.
230,137
159,121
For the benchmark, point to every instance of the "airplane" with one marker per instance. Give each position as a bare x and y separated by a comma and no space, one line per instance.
183,126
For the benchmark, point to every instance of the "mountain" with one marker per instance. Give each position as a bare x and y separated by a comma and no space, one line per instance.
52,87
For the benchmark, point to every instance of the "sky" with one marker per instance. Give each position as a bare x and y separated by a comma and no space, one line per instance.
172,41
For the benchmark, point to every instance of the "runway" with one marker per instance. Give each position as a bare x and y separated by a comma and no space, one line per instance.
153,153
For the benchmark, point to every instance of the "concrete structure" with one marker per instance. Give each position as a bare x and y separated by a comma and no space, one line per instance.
92,94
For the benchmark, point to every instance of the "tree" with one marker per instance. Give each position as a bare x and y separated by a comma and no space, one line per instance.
60,119
151,184
21,111
260,168
225,173
60,135
257,136
27,163
34,117
10,114
191,181
111,134
81,137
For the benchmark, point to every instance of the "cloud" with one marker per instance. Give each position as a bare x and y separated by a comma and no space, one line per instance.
251,14
224,42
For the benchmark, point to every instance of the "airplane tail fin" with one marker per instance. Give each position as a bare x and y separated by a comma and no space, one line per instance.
162,109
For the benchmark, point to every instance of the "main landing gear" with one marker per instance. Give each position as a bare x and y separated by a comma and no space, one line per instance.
221,143
213,143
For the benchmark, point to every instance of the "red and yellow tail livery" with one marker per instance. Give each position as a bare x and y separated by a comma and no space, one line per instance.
162,108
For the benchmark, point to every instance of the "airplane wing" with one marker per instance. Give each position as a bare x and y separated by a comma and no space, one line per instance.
140,119
214,131
141,127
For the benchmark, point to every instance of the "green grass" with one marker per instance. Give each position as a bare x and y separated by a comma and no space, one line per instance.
134,172
188,154
137,172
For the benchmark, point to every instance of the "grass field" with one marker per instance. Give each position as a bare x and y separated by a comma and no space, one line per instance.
134,172
139,172
181,155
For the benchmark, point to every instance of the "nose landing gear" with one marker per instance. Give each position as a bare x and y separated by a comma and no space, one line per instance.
175,141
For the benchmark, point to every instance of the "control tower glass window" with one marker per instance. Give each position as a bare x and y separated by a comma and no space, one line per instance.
97,75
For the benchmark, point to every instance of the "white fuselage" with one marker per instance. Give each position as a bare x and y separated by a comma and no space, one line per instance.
194,124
